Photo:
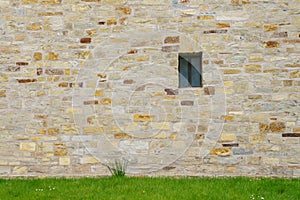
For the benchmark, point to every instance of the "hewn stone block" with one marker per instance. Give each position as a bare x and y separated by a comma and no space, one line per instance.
50,2
35,27
253,69
124,10
227,137
51,56
28,146
64,161
113,2
271,44
277,127
2,93
106,101
60,151
220,152
3,77
88,160
29,2
143,117
122,136
93,129
270,27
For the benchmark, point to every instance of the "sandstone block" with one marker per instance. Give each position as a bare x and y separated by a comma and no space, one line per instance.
51,56
88,160
93,129
124,10
26,2
37,56
295,74
43,2
53,131
172,40
220,152
270,27
232,71
113,2
3,77
227,137
277,127
258,138
20,170
60,151
28,146
206,17
35,27
143,117
64,161
271,44
106,101
2,93
252,69
122,136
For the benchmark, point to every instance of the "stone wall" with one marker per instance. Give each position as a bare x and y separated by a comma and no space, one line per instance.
86,82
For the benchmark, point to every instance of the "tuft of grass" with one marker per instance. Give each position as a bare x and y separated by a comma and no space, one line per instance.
151,188
118,167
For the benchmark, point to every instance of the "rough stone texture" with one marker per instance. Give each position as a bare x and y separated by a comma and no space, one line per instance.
84,83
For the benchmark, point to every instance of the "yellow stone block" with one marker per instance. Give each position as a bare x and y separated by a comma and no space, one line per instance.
143,117
232,71
37,56
29,1
99,93
221,152
73,110
84,54
173,136
50,1
29,146
252,69
60,151
270,27
228,83
93,129
205,17
256,58
106,101
113,2
51,56
122,136
53,131
35,27
227,137
258,138
295,74
2,93
64,161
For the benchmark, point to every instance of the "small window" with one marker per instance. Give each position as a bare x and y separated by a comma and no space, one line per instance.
190,70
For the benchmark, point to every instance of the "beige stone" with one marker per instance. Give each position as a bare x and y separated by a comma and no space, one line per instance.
89,160
227,137
28,146
93,129
64,161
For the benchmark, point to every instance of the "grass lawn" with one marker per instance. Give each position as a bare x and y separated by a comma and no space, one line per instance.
151,188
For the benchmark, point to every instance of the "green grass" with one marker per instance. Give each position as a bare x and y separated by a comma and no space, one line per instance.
151,188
